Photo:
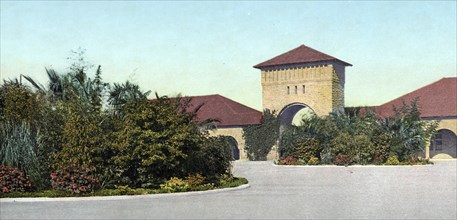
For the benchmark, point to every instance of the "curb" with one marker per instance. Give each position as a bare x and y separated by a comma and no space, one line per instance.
124,197
355,166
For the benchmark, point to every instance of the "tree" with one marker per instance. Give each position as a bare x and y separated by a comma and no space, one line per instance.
154,142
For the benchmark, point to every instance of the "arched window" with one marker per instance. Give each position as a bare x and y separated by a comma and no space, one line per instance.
296,89
303,89
288,90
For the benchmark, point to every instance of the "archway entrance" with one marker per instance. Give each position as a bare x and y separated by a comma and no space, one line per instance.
444,144
292,114
234,146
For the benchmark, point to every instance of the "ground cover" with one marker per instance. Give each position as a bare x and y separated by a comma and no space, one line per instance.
126,190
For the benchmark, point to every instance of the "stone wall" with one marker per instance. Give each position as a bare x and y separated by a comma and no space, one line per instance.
235,132
320,86
449,124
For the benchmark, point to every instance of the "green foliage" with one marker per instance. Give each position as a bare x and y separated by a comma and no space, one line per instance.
212,160
175,184
17,148
259,139
13,180
313,161
392,160
306,149
120,94
84,141
18,103
134,142
154,142
349,138
74,179
408,134
195,180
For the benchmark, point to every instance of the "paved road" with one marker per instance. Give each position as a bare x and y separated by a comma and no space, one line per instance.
407,192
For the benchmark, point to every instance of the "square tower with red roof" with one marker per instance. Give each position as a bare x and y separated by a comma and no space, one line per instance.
305,77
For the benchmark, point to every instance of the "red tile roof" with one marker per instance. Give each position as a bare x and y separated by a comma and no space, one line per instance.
227,111
438,99
299,55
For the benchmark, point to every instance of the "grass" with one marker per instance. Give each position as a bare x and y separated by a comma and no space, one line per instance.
122,190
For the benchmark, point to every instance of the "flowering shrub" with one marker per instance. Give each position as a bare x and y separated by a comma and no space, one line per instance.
74,179
175,184
343,160
289,160
195,180
13,180
313,161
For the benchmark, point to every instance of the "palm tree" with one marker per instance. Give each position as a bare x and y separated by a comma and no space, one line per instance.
120,94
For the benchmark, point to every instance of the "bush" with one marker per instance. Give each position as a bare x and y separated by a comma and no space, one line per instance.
313,161
343,160
381,144
17,148
259,139
363,149
289,160
306,149
175,184
156,141
392,160
74,179
212,160
342,145
13,180
195,180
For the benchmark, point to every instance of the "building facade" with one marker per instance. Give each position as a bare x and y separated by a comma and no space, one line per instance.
437,102
230,118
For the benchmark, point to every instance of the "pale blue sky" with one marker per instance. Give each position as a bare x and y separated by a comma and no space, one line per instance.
199,48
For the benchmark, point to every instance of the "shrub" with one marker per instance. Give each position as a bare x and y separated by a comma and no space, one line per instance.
381,144
313,161
342,144
392,160
343,160
212,160
13,180
17,148
259,139
156,141
74,179
306,149
362,149
289,160
175,184
195,180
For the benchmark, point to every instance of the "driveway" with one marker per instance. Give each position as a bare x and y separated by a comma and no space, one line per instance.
278,192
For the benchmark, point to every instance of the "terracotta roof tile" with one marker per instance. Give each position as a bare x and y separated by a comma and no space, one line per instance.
227,111
301,54
438,99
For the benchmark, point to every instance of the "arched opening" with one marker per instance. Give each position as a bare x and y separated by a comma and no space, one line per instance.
444,144
234,146
293,114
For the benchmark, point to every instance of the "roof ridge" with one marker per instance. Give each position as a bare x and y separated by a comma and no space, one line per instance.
300,54
403,96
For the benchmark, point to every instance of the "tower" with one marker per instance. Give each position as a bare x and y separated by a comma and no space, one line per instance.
302,77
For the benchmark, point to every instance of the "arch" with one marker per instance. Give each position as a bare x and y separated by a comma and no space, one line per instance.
286,117
234,146
443,145
287,114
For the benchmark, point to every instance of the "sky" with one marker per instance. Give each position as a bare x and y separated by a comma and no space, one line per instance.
204,47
